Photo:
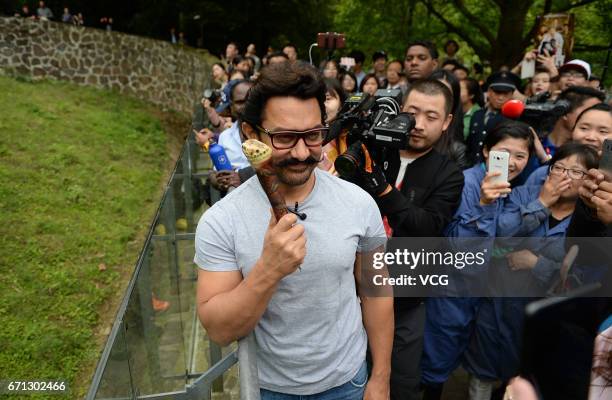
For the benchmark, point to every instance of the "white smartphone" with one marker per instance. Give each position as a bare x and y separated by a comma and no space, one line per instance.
528,69
498,162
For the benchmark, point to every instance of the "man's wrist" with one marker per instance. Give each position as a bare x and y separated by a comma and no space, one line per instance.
268,276
380,372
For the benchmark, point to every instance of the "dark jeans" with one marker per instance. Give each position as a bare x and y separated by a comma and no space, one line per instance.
351,390
406,356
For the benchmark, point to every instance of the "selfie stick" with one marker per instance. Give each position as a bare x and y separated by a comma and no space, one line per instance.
310,53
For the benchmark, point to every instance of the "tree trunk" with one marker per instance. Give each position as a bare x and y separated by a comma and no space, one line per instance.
508,47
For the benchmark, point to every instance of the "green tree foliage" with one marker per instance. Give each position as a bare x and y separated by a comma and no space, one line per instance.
497,31
593,35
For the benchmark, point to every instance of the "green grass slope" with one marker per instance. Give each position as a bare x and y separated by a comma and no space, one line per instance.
80,174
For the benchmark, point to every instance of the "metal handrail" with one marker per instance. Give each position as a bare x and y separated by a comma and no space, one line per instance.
200,388
247,359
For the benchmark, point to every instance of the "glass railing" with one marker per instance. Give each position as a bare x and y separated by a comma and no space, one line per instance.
157,347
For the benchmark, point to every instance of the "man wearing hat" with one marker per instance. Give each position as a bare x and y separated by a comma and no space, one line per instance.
500,87
379,63
574,73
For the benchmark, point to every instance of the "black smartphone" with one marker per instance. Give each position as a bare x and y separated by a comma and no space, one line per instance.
605,162
558,340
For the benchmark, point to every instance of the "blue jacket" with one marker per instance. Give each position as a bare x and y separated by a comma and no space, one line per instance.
449,320
538,176
494,350
524,216
471,218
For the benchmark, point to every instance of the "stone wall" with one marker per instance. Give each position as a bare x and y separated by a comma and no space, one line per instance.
167,75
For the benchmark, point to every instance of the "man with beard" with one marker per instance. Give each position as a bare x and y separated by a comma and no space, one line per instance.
295,283
420,199
500,87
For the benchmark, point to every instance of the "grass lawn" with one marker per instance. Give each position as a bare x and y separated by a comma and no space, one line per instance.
81,174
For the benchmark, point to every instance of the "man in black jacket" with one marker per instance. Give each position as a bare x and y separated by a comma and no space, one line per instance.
417,191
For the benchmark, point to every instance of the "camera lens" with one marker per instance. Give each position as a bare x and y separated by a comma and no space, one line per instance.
346,165
348,162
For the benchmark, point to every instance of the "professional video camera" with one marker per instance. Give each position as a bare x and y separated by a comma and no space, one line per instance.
539,113
371,123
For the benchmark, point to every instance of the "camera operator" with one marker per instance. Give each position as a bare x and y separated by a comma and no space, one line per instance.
500,87
424,193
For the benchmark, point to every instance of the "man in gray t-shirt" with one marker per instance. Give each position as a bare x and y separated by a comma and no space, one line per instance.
309,324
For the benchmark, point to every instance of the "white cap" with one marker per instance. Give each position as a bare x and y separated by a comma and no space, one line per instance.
577,64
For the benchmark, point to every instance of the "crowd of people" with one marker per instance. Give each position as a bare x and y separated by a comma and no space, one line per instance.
292,280
44,13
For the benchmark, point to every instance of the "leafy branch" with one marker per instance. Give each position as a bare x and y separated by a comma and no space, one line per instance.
479,48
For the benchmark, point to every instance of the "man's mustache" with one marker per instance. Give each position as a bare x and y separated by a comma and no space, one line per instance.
294,161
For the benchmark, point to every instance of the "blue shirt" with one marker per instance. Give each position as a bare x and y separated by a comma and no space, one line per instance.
229,139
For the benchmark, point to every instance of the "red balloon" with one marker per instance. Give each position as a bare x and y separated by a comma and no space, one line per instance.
513,109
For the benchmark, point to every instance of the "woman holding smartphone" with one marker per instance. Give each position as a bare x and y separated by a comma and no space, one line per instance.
525,266
450,321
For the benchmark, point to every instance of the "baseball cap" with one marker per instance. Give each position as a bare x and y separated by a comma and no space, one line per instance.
503,81
577,65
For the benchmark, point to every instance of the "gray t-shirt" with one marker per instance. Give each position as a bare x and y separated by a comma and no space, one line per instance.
311,337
